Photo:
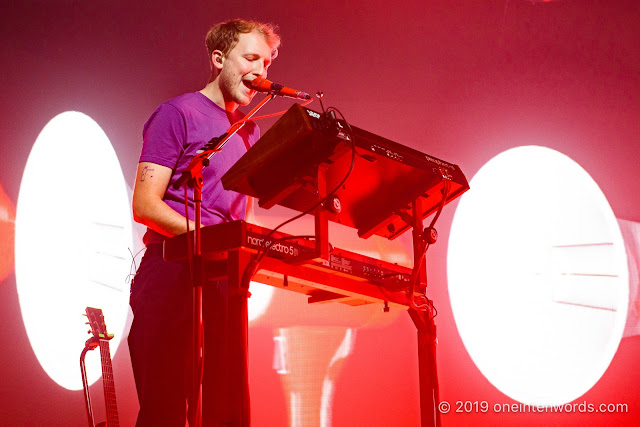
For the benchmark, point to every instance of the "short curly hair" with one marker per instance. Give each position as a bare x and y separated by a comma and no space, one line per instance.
225,35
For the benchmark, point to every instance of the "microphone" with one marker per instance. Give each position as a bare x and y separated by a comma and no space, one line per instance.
261,84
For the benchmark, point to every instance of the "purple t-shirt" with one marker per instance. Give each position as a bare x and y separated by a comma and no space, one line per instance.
173,134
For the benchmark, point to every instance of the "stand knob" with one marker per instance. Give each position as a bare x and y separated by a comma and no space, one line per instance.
334,205
430,235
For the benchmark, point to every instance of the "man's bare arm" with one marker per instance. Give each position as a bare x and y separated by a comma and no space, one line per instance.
149,207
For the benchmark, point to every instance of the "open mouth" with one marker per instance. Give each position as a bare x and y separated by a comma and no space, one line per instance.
247,85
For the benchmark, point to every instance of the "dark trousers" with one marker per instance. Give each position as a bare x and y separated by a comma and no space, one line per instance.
160,344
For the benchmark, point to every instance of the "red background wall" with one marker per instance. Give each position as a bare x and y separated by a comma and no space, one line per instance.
459,80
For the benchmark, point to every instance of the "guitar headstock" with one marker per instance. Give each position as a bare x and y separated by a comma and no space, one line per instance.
96,321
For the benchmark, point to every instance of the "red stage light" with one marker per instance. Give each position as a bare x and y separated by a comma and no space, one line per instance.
7,233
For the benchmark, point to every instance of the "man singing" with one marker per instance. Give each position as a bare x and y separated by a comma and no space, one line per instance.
161,296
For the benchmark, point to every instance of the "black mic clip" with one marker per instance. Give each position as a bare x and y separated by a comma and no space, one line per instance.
333,126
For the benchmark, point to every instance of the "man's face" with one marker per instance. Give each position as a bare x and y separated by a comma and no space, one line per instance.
248,60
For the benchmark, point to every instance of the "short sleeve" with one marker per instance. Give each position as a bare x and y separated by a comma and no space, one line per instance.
164,137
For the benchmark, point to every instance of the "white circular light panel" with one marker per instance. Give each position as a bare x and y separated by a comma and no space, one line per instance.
538,276
72,241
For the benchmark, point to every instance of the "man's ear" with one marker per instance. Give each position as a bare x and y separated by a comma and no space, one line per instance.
217,59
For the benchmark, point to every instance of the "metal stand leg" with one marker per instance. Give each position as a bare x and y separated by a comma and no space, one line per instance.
238,339
428,372
85,384
422,314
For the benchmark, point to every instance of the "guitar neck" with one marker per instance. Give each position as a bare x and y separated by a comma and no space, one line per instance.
108,385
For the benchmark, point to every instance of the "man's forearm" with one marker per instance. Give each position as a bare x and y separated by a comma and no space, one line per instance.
160,217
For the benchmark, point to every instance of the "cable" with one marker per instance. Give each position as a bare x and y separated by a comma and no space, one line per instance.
279,113
332,192
189,242
424,246
133,267
267,116
423,249
253,267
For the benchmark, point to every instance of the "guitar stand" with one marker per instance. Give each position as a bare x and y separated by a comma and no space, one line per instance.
91,344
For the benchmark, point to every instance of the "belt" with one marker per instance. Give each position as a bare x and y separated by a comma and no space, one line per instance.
155,249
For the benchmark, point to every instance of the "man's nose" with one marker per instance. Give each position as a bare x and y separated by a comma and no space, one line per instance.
259,69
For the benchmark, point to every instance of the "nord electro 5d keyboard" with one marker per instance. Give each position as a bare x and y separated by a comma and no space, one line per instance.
346,276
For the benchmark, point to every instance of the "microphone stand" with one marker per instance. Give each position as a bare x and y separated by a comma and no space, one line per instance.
192,176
